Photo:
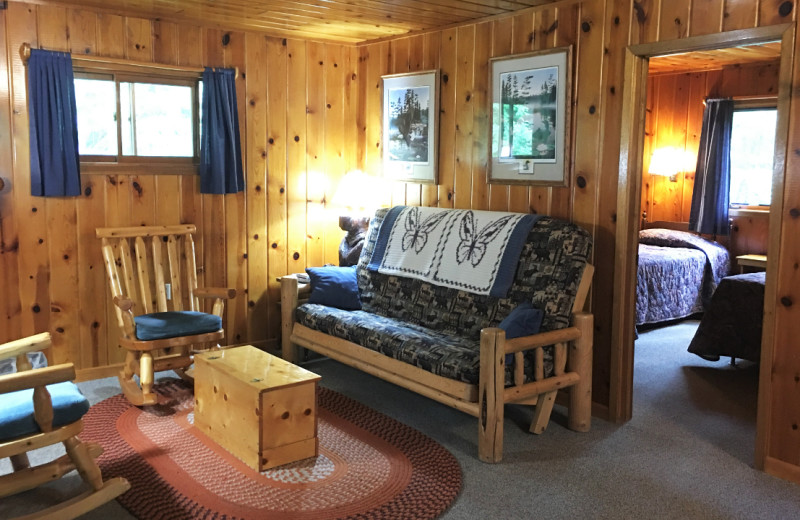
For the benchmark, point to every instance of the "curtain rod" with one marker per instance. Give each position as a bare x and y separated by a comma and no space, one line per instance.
25,52
763,97
744,98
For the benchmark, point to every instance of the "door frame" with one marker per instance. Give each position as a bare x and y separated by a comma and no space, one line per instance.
629,207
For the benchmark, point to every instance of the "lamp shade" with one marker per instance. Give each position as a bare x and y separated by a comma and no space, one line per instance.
358,193
670,161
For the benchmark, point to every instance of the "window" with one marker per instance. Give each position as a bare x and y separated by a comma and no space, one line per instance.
752,152
136,119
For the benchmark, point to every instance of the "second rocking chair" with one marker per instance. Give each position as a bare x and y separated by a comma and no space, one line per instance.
152,274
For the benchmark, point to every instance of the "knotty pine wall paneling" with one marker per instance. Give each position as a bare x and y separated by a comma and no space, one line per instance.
304,239
9,240
53,277
236,261
276,174
256,146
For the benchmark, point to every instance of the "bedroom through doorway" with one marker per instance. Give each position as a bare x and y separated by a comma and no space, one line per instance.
664,110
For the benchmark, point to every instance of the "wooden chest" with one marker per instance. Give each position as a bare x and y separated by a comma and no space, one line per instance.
257,406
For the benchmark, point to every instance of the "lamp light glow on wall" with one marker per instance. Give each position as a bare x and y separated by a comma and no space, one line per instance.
356,198
670,161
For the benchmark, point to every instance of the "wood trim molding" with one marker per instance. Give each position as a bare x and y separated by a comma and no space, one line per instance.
782,469
720,40
764,410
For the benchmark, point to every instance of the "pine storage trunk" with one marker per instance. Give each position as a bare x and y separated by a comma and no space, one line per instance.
259,407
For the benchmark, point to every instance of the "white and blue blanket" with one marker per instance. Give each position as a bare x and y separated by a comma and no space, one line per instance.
475,251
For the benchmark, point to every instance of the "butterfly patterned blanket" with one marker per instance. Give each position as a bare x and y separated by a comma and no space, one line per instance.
475,251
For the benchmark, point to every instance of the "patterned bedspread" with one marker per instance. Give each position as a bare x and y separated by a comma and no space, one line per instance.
732,323
677,274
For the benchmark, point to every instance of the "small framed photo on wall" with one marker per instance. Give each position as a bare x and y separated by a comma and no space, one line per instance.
411,126
530,118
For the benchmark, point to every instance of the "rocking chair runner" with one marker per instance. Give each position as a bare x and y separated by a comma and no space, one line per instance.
150,290
49,414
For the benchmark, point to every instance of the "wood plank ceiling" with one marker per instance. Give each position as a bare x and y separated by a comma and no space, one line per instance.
342,21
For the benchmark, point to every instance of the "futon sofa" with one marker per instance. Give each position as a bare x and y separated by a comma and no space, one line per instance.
452,344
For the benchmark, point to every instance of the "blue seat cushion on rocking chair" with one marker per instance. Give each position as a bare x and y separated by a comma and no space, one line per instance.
16,409
172,324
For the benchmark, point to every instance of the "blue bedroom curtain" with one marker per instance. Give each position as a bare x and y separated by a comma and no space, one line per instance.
55,163
220,149
710,197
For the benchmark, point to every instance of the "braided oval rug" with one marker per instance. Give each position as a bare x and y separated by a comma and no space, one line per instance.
369,466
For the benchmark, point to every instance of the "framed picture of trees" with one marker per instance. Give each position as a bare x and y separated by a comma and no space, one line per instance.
530,118
411,126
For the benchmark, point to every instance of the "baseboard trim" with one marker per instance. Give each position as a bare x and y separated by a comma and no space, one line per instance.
90,374
782,469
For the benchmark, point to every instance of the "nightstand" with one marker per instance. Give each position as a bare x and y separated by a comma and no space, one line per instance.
759,261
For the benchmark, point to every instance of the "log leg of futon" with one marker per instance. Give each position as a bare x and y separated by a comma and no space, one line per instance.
580,361
491,394
289,350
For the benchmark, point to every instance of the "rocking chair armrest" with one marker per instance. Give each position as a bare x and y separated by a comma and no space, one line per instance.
223,293
23,346
125,304
36,378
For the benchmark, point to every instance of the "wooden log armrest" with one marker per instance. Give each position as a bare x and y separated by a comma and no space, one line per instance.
219,294
23,346
36,378
543,339
292,293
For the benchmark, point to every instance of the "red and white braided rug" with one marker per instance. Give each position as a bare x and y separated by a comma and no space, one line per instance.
369,466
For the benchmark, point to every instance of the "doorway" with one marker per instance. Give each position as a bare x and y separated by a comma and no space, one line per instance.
629,208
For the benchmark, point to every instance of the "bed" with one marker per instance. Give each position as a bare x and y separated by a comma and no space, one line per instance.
732,323
677,273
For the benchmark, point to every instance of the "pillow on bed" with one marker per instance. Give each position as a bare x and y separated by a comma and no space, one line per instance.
670,238
335,287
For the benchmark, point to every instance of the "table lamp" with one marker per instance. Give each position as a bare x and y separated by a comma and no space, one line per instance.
670,161
356,197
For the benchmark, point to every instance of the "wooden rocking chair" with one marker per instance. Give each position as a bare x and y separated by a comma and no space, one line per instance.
150,290
51,413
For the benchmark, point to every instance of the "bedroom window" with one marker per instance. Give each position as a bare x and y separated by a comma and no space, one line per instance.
752,151
138,120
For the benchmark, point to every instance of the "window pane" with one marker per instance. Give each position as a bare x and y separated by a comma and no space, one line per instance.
752,150
162,120
96,102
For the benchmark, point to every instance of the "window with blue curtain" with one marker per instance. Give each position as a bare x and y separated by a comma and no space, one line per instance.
220,148
55,164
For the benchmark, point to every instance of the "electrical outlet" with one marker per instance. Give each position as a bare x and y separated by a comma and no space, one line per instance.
168,290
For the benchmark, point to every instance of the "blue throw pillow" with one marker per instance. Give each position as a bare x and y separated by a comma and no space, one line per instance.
524,320
335,287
